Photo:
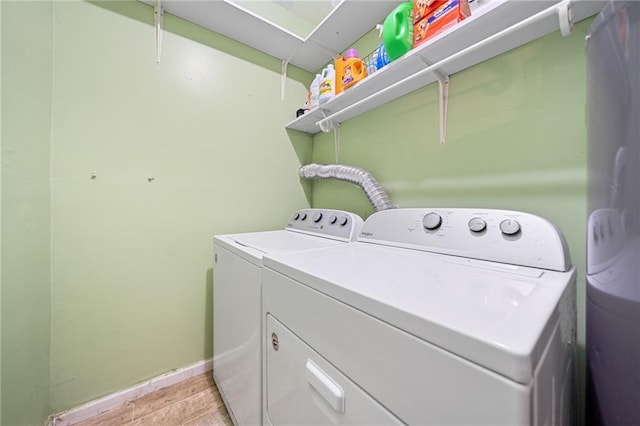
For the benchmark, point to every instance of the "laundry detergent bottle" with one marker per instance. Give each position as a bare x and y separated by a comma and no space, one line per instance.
397,31
327,84
353,69
314,101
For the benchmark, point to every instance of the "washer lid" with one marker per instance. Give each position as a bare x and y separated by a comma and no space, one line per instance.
252,246
496,315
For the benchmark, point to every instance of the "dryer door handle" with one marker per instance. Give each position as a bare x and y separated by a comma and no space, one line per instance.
326,387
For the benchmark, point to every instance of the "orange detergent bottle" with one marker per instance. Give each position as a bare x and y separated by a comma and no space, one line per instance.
352,69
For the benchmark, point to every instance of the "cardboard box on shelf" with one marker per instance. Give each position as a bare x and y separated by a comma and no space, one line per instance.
422,8
444,15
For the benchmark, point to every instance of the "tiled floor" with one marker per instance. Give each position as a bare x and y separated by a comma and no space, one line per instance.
194,402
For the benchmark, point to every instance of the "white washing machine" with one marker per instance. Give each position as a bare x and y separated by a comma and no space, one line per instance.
434,316
237,296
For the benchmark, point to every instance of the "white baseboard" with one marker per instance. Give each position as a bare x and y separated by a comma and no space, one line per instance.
116,399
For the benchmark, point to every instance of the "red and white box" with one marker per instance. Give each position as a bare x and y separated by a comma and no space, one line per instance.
437,17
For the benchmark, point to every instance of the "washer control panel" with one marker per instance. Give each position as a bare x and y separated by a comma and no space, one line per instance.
504,236
337,224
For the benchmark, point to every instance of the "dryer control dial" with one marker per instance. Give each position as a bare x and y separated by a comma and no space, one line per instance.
510,227
477,224
334,224
432,221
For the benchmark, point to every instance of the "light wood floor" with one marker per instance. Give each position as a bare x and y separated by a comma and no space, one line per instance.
193,402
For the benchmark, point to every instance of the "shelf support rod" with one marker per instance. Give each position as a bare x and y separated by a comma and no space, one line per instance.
443,89
336,142
158,13
443,86
550,11
283,82
285,66
324,124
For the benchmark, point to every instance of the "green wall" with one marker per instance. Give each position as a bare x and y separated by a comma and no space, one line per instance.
116,174
0,214
515,140
131,258
27,30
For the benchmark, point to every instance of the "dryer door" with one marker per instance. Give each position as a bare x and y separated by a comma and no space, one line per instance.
303,388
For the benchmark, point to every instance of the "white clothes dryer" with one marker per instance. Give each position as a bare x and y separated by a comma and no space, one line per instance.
237,367
433,317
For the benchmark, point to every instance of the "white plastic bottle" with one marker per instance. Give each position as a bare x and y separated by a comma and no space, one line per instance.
328,84
315,92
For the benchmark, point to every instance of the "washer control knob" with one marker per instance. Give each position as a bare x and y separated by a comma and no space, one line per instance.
333,219
303,216
343,221
509,227
477,224
317,217
432,221
296,216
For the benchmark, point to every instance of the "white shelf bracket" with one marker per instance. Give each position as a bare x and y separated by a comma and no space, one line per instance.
158,13
565,17
285,64
326,124
336,143
443,89
443,84
285,67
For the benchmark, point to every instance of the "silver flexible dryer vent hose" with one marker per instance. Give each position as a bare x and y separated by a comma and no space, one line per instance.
375,193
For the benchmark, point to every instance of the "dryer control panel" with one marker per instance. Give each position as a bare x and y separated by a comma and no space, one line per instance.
336,224
504,236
